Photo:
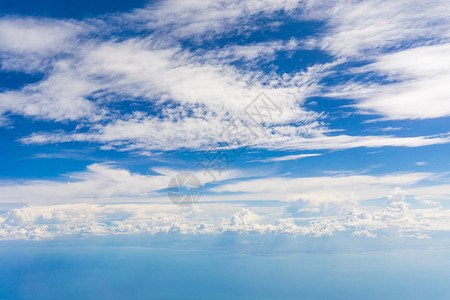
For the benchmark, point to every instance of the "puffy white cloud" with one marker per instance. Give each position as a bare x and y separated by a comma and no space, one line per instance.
396,201
44,222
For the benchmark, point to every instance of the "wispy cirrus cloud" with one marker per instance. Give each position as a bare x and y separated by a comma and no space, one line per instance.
101,183
194,94
207,19
366,29
324,189
416,87
37,35
404,43
290,157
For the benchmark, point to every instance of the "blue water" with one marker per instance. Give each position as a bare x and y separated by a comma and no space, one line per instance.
42,270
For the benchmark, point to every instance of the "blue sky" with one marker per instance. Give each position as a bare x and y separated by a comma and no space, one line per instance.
102,103
313,137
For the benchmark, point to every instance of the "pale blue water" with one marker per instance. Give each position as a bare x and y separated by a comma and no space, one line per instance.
42,270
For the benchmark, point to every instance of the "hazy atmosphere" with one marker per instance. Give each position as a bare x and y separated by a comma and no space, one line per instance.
209,149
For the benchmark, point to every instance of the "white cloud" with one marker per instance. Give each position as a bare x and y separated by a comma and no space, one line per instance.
103,183
60,97
321,141
193,95
33,35
328,205
46,222
206,18
365,28
363,233
440,191
396,201
431,203
32,45
408,43
99,183
291,157
81,87
419,88
325,189
263,51
306,196
197,132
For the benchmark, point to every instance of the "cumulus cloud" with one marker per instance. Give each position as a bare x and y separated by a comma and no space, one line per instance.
47,222
396,201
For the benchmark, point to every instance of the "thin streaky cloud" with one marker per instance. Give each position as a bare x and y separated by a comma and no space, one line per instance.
290,157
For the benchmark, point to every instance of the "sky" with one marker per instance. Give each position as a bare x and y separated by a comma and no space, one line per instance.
310,120
298,117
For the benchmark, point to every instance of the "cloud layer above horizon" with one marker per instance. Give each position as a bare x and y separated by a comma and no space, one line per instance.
164,84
